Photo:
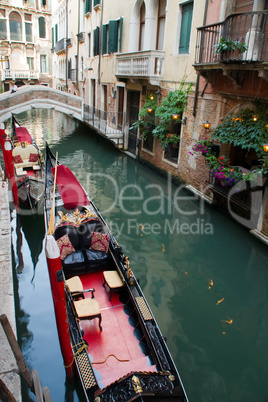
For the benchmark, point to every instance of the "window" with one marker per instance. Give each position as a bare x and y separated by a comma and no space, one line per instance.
42,27
97,2
161,25
15,26
96,36
149,142
56,33
114,35
69,68
82,16
186,24
3,25
30,62
28,27
89,45
142,27
43,63
43,3
171,153
88,6
105,38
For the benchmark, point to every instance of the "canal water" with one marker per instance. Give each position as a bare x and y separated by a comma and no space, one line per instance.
204,276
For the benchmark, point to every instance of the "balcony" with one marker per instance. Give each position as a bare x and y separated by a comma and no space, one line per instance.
81,37
246,31
60,46
144,64
19,74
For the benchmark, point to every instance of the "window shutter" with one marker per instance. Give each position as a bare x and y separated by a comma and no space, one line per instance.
104,39
96,2
113,37
121,31
42,27
56,33
52,38
88,6
96,37
186,23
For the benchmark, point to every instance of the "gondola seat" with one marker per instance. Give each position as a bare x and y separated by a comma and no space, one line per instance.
88,309
25,157
83,254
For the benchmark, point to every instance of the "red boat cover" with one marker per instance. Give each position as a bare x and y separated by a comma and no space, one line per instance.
71,191
23,135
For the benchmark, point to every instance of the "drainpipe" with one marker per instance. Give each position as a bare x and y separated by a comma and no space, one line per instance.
77,61
66,74
100,43
198,75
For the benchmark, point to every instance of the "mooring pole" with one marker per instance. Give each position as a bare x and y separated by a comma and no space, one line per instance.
23,369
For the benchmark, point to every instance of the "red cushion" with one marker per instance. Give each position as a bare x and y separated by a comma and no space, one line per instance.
17,159
65,246
100,241
33,158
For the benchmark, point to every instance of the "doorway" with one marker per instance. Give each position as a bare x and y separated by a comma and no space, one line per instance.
133,99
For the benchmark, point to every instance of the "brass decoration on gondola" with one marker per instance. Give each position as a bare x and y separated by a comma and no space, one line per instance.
129,272
76,217
136,384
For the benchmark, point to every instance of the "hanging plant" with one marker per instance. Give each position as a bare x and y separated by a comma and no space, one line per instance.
174,103
159,120
248,129
146,122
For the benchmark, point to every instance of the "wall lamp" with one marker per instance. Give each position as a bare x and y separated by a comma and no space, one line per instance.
149,109
175,116
265,147
206,125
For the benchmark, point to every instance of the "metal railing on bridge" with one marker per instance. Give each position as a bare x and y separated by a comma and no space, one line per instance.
111,124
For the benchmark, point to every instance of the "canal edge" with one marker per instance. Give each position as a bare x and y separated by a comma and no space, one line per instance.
9,366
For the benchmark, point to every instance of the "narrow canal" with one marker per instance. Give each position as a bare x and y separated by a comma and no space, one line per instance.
204,276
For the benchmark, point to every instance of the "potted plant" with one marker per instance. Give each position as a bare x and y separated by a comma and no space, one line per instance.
229,49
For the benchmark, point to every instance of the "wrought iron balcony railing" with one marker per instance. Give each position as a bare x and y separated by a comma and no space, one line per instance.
240,38
146,64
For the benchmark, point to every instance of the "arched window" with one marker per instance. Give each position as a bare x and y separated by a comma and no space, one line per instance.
42,27
161,25
3,25
142,27
15,26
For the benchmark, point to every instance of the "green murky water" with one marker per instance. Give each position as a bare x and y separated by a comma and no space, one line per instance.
204,276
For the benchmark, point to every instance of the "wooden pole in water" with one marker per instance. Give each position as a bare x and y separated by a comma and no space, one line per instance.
23,368
58,292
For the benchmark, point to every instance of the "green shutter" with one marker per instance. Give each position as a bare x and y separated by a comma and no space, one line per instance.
186,23
96,2
52,38
104,39
88,6
56,33
121,31
42,27
96,38
113,37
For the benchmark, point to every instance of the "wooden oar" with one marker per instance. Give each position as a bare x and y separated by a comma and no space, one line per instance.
51,226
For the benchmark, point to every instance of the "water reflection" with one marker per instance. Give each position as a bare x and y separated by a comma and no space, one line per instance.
204,276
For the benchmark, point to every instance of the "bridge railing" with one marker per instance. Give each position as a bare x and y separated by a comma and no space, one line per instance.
109,123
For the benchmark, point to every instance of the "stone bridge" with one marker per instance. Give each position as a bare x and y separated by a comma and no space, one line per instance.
39,96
